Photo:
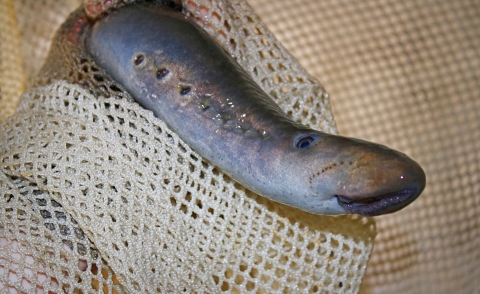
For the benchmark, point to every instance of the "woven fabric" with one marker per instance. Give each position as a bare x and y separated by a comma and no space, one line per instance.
37,22
12,78
97,194
405,74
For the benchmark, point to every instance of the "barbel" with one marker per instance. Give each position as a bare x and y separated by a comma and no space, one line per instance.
175,69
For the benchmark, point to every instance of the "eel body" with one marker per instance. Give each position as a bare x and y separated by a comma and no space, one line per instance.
173,68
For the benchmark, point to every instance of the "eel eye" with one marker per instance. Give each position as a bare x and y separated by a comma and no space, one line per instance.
304,141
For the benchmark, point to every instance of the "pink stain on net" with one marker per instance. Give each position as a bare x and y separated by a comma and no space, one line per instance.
94,8
32,269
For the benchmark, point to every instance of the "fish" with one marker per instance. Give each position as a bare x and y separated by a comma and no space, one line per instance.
172,67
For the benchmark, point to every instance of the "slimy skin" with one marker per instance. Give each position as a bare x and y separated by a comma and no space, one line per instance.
173,68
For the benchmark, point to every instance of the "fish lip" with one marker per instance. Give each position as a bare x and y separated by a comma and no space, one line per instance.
383,204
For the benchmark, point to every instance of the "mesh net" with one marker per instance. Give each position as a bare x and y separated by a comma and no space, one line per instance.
97,194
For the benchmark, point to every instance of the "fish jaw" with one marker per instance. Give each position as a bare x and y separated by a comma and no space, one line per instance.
382,204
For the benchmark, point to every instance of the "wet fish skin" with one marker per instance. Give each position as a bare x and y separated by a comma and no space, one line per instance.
173,68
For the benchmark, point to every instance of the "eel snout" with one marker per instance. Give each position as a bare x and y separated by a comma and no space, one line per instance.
373,179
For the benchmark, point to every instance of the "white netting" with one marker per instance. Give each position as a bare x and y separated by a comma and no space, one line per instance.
79,159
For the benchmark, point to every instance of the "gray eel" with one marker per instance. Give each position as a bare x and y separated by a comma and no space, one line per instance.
173,68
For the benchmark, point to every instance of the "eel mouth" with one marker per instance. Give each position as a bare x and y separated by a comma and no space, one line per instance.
384,204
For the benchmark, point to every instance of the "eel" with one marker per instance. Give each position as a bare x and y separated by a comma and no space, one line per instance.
175,69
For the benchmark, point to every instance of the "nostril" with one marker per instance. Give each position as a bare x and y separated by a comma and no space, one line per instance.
304,141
